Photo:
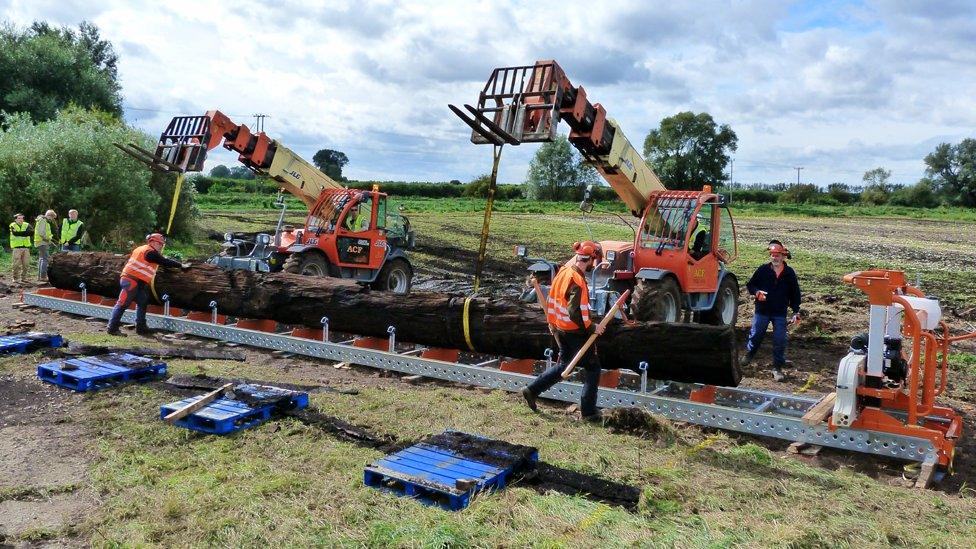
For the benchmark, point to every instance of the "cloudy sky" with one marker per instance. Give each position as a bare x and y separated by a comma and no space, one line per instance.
835,87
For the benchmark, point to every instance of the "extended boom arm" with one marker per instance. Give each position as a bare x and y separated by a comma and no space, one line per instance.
183,148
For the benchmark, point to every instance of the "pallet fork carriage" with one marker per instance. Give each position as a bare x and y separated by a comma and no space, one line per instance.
893,427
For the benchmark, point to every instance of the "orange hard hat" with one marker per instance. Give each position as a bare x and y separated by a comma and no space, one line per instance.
156,238
588,249
777,248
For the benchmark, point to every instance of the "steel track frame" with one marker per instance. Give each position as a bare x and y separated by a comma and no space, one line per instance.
755,412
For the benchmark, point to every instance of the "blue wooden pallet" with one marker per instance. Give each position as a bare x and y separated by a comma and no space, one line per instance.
27,342
91,373
430,474
226,415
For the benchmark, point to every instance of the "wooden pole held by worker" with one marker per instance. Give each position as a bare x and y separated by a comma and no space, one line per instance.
589,342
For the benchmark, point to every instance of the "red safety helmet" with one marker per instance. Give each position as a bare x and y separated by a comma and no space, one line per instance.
156,238
777,248
588,249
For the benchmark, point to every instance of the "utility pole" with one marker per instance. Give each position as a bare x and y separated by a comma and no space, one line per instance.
798,174
259,122
731,181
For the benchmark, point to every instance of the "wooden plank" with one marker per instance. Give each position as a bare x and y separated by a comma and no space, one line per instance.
804,448
819,412
190,408
925,476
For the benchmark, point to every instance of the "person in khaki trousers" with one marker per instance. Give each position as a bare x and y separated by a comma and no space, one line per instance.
20,245
45,240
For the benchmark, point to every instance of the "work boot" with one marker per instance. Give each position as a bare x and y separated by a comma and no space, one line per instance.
529,399
115,332
595,417
778,374
143,331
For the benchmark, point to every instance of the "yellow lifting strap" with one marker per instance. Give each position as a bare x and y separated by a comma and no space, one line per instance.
152,286
176,198
467,324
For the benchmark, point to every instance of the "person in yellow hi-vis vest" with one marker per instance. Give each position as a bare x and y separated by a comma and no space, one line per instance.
44,239
72,230
137,276
20,245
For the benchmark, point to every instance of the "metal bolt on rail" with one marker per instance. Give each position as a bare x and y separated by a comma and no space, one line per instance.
643,368
84,292
213,312
325,329
548,354
392,331
165,299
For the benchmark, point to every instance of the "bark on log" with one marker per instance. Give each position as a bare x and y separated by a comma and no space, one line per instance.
503,327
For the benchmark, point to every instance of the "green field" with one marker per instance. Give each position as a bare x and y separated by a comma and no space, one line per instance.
293,484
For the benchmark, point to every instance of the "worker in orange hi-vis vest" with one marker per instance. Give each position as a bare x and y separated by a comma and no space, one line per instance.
137,277
568,314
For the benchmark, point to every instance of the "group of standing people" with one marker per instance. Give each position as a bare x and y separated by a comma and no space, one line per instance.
774,286
44,235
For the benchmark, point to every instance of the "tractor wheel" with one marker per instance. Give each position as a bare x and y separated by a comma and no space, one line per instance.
308,264
726,308
394,277
656,300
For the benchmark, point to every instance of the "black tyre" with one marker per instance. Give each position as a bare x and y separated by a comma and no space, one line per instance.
726,308
656,300
308,264
396,276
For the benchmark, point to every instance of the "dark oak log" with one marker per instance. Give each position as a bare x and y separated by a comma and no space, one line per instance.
502,327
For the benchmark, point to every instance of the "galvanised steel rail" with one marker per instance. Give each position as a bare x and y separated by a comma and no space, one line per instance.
755,412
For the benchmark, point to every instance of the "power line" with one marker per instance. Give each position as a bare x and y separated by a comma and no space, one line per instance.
798,168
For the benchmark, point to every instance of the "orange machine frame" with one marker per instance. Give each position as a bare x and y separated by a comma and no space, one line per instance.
693,275
924,419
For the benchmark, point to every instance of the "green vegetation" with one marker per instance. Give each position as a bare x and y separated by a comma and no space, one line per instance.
45,69
557,172
288,483
689,150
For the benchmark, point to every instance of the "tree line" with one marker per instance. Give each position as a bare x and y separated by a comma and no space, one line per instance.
689,150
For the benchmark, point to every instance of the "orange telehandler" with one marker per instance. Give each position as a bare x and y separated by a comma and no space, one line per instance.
677,260
348,233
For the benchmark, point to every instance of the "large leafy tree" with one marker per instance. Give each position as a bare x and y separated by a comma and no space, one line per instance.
71,162
953,170
331,162
45,69
689,150
556,172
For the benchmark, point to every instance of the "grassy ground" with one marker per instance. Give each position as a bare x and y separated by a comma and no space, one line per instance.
291,484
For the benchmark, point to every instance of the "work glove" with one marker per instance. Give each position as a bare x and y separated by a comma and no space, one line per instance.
760,296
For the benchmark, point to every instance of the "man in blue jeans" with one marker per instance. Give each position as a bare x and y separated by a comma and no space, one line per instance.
775,288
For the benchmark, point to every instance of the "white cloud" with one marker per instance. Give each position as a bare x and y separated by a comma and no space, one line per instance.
838,89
